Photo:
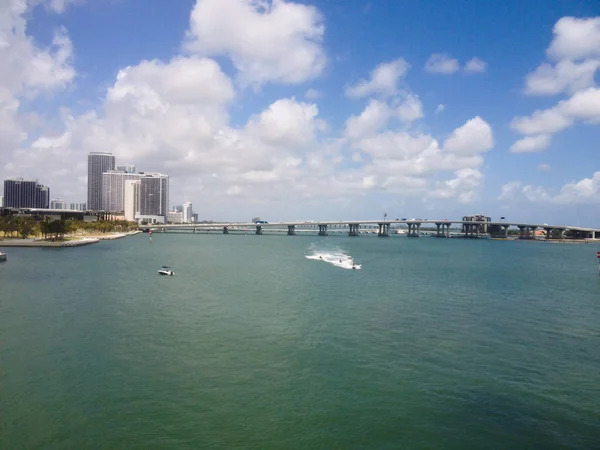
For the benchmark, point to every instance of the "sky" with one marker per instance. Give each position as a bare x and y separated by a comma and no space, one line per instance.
313,109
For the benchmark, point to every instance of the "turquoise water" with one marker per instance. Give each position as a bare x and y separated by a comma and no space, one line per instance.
434,343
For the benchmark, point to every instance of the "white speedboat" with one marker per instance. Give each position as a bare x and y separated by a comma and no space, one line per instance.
165,270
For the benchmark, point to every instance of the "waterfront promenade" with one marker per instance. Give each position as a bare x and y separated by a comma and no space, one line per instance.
384,228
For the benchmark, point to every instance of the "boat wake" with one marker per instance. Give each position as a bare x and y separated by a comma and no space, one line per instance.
336,257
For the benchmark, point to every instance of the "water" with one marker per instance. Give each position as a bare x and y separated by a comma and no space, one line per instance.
433,344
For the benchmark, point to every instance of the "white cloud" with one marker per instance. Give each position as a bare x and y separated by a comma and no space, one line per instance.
410,109
464,186
28,70
472,138
383,80
439,109
510,190
373,119
475,65
442,63
584,105
173,116
531,144
545,167
59,6
586,190
548,121
565,76
575,38
312,94
267,41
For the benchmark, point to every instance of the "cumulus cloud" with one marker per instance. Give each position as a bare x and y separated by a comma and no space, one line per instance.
565,76
439,109
59,6
267,41
544,167
383,80
575,38
531,144
475,65
28,70
442,63
472,138
174,116
583,106
584,191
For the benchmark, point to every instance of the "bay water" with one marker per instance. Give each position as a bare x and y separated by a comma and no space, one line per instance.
257,343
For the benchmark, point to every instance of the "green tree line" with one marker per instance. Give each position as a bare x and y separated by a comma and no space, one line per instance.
26,226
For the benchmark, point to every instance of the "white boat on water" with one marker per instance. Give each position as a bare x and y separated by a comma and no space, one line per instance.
400,231
2,256
166,270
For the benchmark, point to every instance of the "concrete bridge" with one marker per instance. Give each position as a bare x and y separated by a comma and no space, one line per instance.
383,228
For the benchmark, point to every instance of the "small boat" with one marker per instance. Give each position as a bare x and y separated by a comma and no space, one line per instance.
2,256
165,270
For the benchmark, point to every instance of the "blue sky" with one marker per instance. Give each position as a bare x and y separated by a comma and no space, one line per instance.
226,113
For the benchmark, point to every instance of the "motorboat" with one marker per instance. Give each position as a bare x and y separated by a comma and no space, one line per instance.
166,270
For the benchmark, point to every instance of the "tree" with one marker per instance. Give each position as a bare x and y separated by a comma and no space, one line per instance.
25,226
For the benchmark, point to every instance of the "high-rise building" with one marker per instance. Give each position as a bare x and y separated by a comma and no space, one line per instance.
195,218
57,203
78,206
187,212
175,217
20,193
129,168
113,189
154,194
1,201
131,202
98,163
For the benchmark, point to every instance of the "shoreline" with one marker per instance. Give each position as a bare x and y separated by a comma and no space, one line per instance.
78,241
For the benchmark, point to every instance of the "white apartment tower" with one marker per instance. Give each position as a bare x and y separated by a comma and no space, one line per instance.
98,163
113,189
187,212
131,202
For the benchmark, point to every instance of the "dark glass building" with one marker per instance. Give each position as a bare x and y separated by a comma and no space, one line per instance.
20,193
98,163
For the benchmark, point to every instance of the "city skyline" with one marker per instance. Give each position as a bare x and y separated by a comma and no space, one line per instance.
361,108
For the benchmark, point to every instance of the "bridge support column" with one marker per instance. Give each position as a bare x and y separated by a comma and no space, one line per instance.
438,234
522,232
225,230
532,230
447,229
259,229
194,230
384,230
291,230
323,230
563,233
353,229
549,232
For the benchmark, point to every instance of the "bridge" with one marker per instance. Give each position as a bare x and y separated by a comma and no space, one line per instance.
383,228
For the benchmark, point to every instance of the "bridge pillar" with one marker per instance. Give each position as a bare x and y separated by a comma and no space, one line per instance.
225,230
438,225
291,230
548,233
259,229
563,233
506,227
353,229
194,230
532,230
323,230
447,224
384,230
522,232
